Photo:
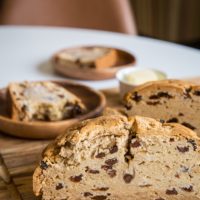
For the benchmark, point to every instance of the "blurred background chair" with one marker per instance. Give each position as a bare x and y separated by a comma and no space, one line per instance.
110,15
173,20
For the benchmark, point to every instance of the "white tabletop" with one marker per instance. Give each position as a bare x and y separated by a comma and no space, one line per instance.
25,51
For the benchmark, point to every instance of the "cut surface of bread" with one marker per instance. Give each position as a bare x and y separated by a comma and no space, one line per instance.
45,101
87,57
168,100
114,158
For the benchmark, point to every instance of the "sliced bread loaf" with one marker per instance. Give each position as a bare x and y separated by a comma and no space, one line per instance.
87,57
168,100
46,101
114,158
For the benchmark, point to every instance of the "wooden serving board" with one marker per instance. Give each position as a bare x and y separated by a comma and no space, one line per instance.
21,155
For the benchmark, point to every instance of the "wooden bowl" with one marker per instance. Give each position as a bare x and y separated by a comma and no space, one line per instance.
94,101
124,60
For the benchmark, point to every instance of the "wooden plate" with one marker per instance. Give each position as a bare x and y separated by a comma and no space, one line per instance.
125,59
94,101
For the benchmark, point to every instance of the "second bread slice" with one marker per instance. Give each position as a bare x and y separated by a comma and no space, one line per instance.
45,101
169,100
87,57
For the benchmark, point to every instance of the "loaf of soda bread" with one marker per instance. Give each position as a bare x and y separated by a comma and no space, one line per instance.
115,158
87,57
168,100
45,101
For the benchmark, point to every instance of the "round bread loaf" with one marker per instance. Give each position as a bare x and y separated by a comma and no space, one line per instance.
115,157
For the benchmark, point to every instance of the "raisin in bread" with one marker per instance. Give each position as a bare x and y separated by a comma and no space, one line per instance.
169,100
44,101
87,57
114,158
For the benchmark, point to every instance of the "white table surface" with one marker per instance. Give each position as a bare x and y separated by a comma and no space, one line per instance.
25,53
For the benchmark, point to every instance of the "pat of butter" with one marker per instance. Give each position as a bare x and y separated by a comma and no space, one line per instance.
141,76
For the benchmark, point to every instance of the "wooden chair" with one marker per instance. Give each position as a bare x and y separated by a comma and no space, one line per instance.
110,15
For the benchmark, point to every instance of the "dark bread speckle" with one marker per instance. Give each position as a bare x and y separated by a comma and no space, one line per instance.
59,186
114,149
76,179
172,120
183,149
135,144
197,92
193,143
128,178
172,191
99,197
136,97
111,161
112,172
188,125
100,155
160,95
188,189
43,165
87,194
153,103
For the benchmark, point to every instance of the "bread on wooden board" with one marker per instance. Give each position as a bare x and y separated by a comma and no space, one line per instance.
46,101
168,100
115,157
87,57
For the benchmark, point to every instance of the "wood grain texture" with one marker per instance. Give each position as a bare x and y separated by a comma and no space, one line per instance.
22,155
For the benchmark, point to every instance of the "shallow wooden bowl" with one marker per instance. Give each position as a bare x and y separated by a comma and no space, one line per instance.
94,101
124,60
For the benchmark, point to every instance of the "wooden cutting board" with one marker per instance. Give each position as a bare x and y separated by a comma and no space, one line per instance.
21,156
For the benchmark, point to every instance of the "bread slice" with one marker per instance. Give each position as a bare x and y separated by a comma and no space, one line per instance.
46,101
114,158
168,100
87,57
